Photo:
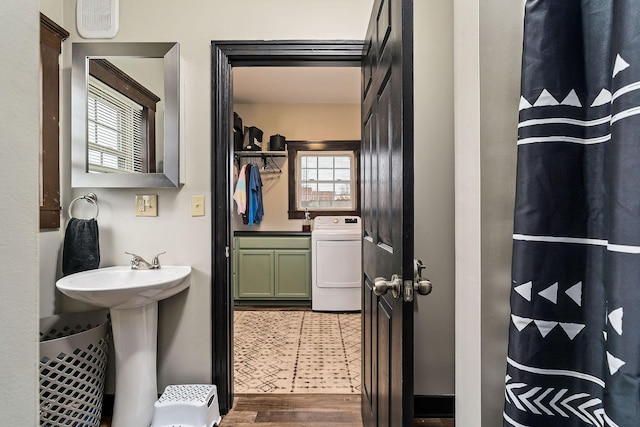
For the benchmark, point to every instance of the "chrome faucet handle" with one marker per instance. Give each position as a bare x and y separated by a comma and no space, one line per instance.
155,263
136,260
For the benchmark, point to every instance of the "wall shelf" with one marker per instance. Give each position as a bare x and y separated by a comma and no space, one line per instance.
266,156
261,154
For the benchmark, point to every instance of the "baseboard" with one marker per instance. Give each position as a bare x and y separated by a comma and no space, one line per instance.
434,406
424,406
240,304
107,404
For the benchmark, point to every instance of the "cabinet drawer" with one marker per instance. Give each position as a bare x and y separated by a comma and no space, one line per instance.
274,242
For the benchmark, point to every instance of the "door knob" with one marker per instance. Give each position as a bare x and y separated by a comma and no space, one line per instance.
381,286
418,284
422,286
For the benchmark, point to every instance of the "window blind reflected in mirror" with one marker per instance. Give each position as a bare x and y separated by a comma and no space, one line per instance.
114,131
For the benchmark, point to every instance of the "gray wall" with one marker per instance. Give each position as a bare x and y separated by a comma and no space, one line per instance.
434,195
19,111
487,42
500,53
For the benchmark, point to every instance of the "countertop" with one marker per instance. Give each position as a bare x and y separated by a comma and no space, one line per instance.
243,233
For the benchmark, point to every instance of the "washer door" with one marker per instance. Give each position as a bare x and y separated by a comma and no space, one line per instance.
338,264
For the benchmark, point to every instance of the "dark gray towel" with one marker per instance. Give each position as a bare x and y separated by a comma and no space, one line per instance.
81,249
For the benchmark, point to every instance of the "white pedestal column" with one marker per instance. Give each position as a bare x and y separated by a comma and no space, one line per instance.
135,340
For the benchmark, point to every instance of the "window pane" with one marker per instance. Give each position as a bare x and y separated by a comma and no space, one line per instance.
343,161
312,161
343,191
310,174
342,174
325,162
324,188
325,174
306,194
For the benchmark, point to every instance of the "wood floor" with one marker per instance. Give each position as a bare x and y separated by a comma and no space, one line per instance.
308,410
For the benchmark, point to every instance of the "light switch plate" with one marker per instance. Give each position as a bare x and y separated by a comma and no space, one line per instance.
146,205
197,206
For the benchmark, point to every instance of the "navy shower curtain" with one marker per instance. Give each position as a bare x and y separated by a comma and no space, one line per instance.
574,337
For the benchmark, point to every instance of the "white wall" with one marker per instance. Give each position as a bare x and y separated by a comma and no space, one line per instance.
487,46
185,320
297,122
19,222
434,195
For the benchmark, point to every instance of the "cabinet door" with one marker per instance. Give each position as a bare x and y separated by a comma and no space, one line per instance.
255,273
293,274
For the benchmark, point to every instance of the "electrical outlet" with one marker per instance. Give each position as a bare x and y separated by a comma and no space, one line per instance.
197,206
146,205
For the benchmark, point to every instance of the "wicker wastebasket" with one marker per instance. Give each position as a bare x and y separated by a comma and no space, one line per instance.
73,360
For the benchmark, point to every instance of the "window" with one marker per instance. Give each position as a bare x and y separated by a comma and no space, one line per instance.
114,131
121,122
324,178
324,181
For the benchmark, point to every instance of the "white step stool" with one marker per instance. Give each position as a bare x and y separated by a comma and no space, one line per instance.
192,405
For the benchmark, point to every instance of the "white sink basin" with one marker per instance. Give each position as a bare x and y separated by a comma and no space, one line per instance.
132,298
121,287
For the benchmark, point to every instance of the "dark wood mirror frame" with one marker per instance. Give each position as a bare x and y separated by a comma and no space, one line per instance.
51,37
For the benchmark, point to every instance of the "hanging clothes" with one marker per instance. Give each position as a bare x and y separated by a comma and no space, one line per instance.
256,211
247,178
240,193
574,338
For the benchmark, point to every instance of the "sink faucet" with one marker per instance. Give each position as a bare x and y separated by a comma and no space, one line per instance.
139,263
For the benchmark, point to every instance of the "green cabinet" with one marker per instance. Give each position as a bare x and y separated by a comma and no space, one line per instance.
255,273
272,268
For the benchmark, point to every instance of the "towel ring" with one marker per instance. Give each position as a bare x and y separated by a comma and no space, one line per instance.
91,198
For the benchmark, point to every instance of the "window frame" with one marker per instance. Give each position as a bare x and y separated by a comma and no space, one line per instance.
295,147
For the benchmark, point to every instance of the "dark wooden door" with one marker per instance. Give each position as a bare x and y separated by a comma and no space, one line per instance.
387,195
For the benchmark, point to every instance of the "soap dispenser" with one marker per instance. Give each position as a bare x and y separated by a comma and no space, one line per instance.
306,222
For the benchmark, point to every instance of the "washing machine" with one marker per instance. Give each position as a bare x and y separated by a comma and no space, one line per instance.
336,266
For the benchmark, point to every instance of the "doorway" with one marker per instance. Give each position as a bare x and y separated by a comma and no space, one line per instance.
280,345
225,56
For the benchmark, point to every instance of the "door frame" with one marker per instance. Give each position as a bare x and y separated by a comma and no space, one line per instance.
225,55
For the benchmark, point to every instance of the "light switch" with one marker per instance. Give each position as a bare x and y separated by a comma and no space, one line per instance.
146,205
197,206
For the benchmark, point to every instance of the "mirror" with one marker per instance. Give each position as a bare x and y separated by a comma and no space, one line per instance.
125,123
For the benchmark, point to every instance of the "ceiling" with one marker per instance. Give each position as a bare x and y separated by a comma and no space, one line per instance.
296,85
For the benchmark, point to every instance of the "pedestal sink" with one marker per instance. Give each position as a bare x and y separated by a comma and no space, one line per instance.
132,297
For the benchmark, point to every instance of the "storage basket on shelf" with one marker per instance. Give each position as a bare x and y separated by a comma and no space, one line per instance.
73,361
